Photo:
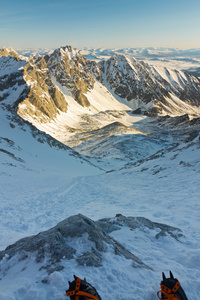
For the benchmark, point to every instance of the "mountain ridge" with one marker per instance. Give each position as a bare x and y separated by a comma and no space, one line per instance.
150,87
64,94
75,72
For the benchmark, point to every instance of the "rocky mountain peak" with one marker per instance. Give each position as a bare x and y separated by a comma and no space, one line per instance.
12,53
70,70
68,50
8,51
119,58
63,53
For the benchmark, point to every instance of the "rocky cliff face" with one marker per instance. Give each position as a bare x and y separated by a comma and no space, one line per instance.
25,85
158,90
44,98
70,70
38,86
39,97
52,247
12,83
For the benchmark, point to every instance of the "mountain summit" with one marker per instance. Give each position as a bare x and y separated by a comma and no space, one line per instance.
70,70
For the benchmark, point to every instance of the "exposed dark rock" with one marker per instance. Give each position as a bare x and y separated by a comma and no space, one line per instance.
54,269
11,155
90,259
132,80
140,111
181,128
107,226
192,135
138,222
178,120
95,71
195,121
10,80
54,244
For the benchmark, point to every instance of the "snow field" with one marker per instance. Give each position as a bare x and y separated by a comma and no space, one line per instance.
169,196
41,186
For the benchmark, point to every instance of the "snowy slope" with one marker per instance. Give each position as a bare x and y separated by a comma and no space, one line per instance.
31,163
163,188
149,168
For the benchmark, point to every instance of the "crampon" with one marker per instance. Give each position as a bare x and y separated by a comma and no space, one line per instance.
81,290
171,289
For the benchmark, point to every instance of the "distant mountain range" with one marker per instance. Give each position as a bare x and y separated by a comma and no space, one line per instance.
136,52
173,58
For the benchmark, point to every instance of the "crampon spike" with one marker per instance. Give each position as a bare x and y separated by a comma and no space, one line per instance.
171,289
171,275
163,276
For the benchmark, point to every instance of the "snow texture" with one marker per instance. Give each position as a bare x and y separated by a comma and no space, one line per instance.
42,184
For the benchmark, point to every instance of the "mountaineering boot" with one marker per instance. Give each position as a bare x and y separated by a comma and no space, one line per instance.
81,290
171,289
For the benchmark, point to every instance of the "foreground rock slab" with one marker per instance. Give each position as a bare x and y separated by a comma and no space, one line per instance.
82,239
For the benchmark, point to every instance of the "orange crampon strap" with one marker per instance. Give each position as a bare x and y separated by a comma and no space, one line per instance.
169,293
77,293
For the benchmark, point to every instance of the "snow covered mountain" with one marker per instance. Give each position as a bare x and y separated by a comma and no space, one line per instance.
140,176
139,52
187,60
65,95
156,89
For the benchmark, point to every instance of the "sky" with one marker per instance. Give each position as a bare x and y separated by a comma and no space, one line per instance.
105,23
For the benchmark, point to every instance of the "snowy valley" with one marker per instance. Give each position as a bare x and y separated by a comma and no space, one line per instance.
101,157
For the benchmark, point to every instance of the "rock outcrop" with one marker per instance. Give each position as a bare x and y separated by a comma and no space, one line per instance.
58,243
84,240
110,224
44,98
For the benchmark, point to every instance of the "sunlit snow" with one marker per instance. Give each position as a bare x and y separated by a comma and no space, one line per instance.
42,185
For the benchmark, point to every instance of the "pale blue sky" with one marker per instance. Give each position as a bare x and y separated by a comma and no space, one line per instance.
105,23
